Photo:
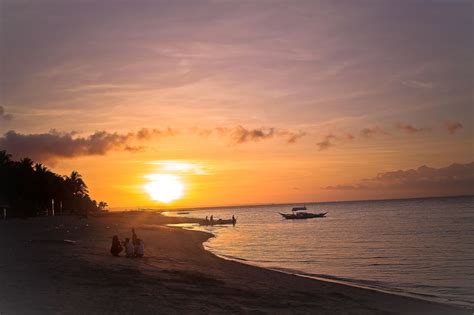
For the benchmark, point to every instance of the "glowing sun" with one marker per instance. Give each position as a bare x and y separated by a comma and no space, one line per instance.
164,187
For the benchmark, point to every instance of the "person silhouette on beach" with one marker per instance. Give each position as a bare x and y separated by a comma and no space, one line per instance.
116,248
134,237
139,248
129,248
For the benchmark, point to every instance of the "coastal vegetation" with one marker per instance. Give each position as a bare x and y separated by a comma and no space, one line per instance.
28,189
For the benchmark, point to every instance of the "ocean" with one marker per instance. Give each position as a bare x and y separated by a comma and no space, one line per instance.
418,247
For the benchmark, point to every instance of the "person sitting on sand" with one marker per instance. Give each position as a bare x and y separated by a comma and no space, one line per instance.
139,248
116,248
129,248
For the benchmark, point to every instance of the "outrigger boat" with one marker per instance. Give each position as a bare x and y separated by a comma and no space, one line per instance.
219,222
301,215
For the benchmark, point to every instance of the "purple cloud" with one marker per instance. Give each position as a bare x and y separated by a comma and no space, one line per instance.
4,116
410,129
372,131
456,179
453,126
53,144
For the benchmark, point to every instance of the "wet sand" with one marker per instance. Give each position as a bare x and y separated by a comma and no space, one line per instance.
41,274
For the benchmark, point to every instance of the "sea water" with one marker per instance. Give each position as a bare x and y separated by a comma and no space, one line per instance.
422,247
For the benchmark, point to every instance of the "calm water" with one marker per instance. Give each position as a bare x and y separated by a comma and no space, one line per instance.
419,246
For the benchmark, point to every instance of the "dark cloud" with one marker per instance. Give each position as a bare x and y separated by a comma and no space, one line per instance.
241,134
55,145
456,179
4,116
453,126
330,140
146,134
291,137
372,131
410,129
326,142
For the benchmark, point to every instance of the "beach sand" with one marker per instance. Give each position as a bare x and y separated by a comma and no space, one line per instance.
40,274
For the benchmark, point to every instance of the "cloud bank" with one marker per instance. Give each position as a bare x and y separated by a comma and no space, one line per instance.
456,179
55,145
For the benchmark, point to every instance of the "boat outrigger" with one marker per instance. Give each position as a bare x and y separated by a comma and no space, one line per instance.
301,215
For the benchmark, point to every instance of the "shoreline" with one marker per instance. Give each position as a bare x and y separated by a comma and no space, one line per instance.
334,279
177,275
297,273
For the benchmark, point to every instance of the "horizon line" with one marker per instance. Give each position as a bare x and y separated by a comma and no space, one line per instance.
282,204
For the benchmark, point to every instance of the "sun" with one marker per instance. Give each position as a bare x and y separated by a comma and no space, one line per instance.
164,187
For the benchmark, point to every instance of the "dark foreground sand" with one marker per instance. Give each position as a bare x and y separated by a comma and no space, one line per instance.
177,276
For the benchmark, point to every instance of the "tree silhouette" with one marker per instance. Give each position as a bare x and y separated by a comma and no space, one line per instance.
102,205
29,188
76,184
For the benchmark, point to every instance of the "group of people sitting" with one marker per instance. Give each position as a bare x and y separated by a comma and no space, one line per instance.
134,248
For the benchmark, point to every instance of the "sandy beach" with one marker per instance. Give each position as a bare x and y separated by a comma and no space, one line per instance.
41,274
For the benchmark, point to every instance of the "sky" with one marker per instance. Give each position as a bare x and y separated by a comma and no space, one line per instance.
244,102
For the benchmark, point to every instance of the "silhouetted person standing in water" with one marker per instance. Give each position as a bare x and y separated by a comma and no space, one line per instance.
234,220
116,248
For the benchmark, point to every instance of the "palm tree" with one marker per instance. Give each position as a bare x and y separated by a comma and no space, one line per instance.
102,205
5,158
28,188
76,184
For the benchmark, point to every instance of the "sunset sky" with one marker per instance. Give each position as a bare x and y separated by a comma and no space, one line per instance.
243,102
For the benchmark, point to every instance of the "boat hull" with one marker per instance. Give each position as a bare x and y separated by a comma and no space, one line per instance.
302,216
219,222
